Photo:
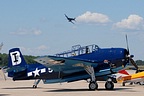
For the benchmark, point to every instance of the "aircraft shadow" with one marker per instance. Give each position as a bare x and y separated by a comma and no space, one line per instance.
67,90
28,88
4,94
76,90
20,88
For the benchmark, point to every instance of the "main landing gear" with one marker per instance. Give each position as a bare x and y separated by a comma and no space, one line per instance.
93,84
36,83
109,85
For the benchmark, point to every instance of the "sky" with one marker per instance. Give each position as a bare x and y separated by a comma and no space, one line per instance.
39,27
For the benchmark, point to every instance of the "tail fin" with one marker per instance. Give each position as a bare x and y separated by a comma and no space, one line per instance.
122,76
123,72
16,62
16,58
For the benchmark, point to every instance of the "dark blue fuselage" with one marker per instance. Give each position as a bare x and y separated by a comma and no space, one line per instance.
105,61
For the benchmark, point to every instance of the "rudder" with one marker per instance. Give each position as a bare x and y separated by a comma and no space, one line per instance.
16,62
16,58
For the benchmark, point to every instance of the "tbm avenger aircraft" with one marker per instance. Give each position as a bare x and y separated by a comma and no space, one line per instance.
80,63
70,19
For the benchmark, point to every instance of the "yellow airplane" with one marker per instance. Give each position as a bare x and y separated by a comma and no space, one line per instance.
134,78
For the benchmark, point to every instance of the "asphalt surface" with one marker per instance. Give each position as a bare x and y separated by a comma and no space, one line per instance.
79,88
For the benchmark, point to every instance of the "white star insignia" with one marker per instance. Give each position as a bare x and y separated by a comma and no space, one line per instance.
36,72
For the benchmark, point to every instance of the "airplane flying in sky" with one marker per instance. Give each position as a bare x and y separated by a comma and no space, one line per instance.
70,19
79,63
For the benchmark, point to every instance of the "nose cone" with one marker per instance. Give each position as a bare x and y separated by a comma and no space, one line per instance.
131,56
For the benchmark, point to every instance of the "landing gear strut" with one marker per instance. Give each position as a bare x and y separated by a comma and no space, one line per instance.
93,84
36,83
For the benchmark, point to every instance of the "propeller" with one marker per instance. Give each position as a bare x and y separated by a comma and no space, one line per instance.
131,56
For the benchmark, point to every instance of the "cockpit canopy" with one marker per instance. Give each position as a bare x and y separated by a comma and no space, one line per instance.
78,50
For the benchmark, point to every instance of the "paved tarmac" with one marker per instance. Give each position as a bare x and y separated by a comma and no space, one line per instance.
79,88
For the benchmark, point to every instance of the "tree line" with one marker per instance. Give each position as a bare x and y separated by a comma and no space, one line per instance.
4,59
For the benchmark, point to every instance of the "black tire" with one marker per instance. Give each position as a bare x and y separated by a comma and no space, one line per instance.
93,86
141,83
109,85
34,86
123,84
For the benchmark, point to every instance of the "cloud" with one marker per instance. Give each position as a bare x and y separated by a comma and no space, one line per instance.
36,32
89,17
40,50
42,47
133,22
23,31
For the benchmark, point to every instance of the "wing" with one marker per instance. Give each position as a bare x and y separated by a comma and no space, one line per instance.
64,64
71,22
66,16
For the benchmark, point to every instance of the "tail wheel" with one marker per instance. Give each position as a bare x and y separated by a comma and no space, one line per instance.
93,86
34,86
109,85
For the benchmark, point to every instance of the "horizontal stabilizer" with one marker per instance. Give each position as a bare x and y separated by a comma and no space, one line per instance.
16,69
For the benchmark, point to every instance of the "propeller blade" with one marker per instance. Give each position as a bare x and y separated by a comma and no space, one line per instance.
127,44
133,63
131,56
